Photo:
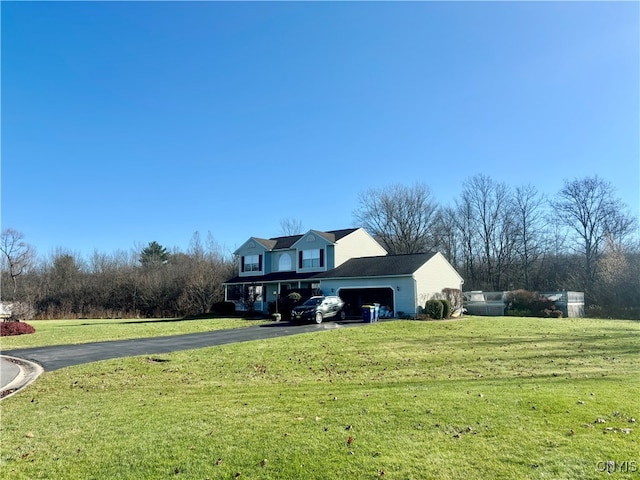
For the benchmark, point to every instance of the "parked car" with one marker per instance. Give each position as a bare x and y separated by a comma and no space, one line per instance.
318,309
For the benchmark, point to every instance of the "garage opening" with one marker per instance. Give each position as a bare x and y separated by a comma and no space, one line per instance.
354,298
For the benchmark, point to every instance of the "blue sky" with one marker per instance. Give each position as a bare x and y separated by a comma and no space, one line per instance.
130,122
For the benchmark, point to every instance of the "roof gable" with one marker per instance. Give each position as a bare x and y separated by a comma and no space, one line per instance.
331,236
287,242
312,236
254,242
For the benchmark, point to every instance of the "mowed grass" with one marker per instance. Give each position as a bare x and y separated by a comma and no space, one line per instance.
477,398
66,332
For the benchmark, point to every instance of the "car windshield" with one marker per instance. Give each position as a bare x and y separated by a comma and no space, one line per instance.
313,302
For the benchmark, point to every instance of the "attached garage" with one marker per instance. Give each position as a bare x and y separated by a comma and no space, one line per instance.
354,298
401,283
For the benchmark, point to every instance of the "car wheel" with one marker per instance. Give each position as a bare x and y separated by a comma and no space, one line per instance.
318,317
342,315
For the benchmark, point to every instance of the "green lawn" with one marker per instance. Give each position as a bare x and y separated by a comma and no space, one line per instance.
66,332
478,398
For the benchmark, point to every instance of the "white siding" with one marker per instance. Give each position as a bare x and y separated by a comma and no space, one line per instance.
433,277
355,245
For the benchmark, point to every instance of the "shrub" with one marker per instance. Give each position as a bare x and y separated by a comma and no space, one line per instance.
434,309
15,328
446,308
224,308
294,297
523,303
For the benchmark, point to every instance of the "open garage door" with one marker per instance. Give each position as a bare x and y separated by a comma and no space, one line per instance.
354,298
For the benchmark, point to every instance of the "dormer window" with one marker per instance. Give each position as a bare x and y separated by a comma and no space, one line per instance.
252,263
313,258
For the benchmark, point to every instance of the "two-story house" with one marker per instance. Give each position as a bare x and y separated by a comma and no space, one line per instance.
348,263
270,267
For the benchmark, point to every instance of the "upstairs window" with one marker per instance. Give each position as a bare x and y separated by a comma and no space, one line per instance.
252,263
284,263
311,258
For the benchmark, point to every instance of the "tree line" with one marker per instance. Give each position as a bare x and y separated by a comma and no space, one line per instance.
499,237
502,238
149,282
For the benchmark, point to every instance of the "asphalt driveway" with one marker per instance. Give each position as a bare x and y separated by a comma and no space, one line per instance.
60,356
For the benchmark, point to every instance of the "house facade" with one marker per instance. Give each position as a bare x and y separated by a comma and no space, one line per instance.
268,268
348,263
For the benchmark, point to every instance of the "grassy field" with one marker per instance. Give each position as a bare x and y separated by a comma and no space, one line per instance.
66,332
477,398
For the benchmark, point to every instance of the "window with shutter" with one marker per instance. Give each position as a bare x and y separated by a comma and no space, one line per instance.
312,258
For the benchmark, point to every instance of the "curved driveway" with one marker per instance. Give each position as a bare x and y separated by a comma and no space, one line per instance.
60,356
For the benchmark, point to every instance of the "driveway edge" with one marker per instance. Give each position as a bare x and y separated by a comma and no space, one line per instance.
29,371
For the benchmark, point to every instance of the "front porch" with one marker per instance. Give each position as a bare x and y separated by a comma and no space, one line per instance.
253,294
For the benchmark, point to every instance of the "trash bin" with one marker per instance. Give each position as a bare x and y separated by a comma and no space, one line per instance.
368,313
376,312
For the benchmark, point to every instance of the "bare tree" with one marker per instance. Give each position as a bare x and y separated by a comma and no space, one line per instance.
207,271
447,236
290,226
529,215
463,217
18,255
589,209
486,219
401,218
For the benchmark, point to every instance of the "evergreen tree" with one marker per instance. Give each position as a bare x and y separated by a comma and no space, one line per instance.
154,254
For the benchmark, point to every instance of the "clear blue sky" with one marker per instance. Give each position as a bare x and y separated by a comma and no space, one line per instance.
125,123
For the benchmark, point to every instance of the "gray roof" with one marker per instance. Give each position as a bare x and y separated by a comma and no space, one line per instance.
269,244
379,266
285,242
332,236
